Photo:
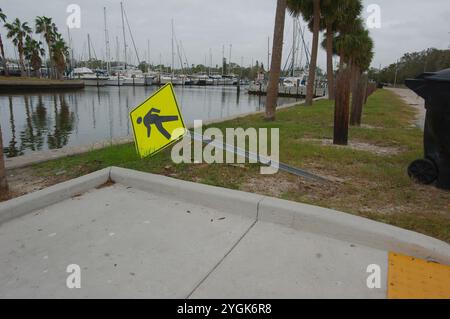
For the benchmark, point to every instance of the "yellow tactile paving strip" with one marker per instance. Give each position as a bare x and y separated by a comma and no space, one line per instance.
412,278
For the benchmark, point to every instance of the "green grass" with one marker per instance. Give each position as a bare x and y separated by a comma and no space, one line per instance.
364,183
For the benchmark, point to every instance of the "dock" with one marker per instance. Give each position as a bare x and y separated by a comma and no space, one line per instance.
285,91
18,84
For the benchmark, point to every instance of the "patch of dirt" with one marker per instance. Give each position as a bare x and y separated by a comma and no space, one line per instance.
283,183
22,181
109,183
371,127
361,146
268,186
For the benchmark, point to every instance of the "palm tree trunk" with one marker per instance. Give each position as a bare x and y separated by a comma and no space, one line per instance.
330,72
359,101
277,51
357,97
23,72
314,52
2,51
3,182
342,106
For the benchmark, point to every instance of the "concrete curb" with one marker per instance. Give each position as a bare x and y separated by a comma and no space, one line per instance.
310,219
231,201
354,229
23,205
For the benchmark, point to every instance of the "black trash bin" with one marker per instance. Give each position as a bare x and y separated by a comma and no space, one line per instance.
435,167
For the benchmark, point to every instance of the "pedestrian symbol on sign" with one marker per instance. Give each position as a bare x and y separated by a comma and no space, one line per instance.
155,119
157,122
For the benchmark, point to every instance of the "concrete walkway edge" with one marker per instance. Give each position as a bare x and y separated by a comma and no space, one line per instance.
312,219
20,206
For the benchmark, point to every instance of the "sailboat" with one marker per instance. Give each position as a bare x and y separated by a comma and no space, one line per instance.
89,77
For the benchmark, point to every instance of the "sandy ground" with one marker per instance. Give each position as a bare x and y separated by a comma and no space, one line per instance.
413,100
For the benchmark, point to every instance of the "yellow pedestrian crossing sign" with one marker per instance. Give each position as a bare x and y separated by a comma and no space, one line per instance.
157,122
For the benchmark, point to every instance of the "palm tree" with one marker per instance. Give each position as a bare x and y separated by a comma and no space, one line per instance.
348,25
18,31
311,12
277,51
45,26
33,53
60,54
330,14
361,60
2,49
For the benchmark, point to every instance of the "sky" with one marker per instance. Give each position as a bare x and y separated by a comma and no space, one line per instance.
205,27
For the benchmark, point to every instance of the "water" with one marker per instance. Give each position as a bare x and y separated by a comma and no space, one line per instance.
42,121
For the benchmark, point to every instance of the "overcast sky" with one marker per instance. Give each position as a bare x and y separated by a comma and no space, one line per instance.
201,25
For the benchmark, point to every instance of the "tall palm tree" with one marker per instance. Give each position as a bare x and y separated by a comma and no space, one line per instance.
331,9
2,49
48,29
33,53
18,32
60,54
311,12
277,52
361,60
348,24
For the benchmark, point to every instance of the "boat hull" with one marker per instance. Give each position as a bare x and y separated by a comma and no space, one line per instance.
95,82
114,82
134,82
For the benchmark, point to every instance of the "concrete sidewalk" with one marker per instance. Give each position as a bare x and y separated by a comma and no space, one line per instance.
413,100
148,236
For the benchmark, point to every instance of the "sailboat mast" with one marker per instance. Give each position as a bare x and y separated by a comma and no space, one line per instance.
210,60
148,53
89,47
268,53
107,48
173,53
124,36
71,56
229,61
117,49
223,60
293,45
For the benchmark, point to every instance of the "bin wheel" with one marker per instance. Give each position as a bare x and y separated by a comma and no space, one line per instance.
423,171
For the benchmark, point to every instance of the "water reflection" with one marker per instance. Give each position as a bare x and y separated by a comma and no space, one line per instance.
41,121
58,136
12,150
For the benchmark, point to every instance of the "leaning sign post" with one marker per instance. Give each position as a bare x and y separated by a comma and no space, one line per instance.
157,122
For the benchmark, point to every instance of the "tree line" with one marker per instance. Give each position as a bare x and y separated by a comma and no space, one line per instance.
411,65
346,37
32,50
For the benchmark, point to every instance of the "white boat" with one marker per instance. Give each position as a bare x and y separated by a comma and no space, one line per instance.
164,79
149,80
115,80
203,79
134,81
297,81
230,79
134,77
89,77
